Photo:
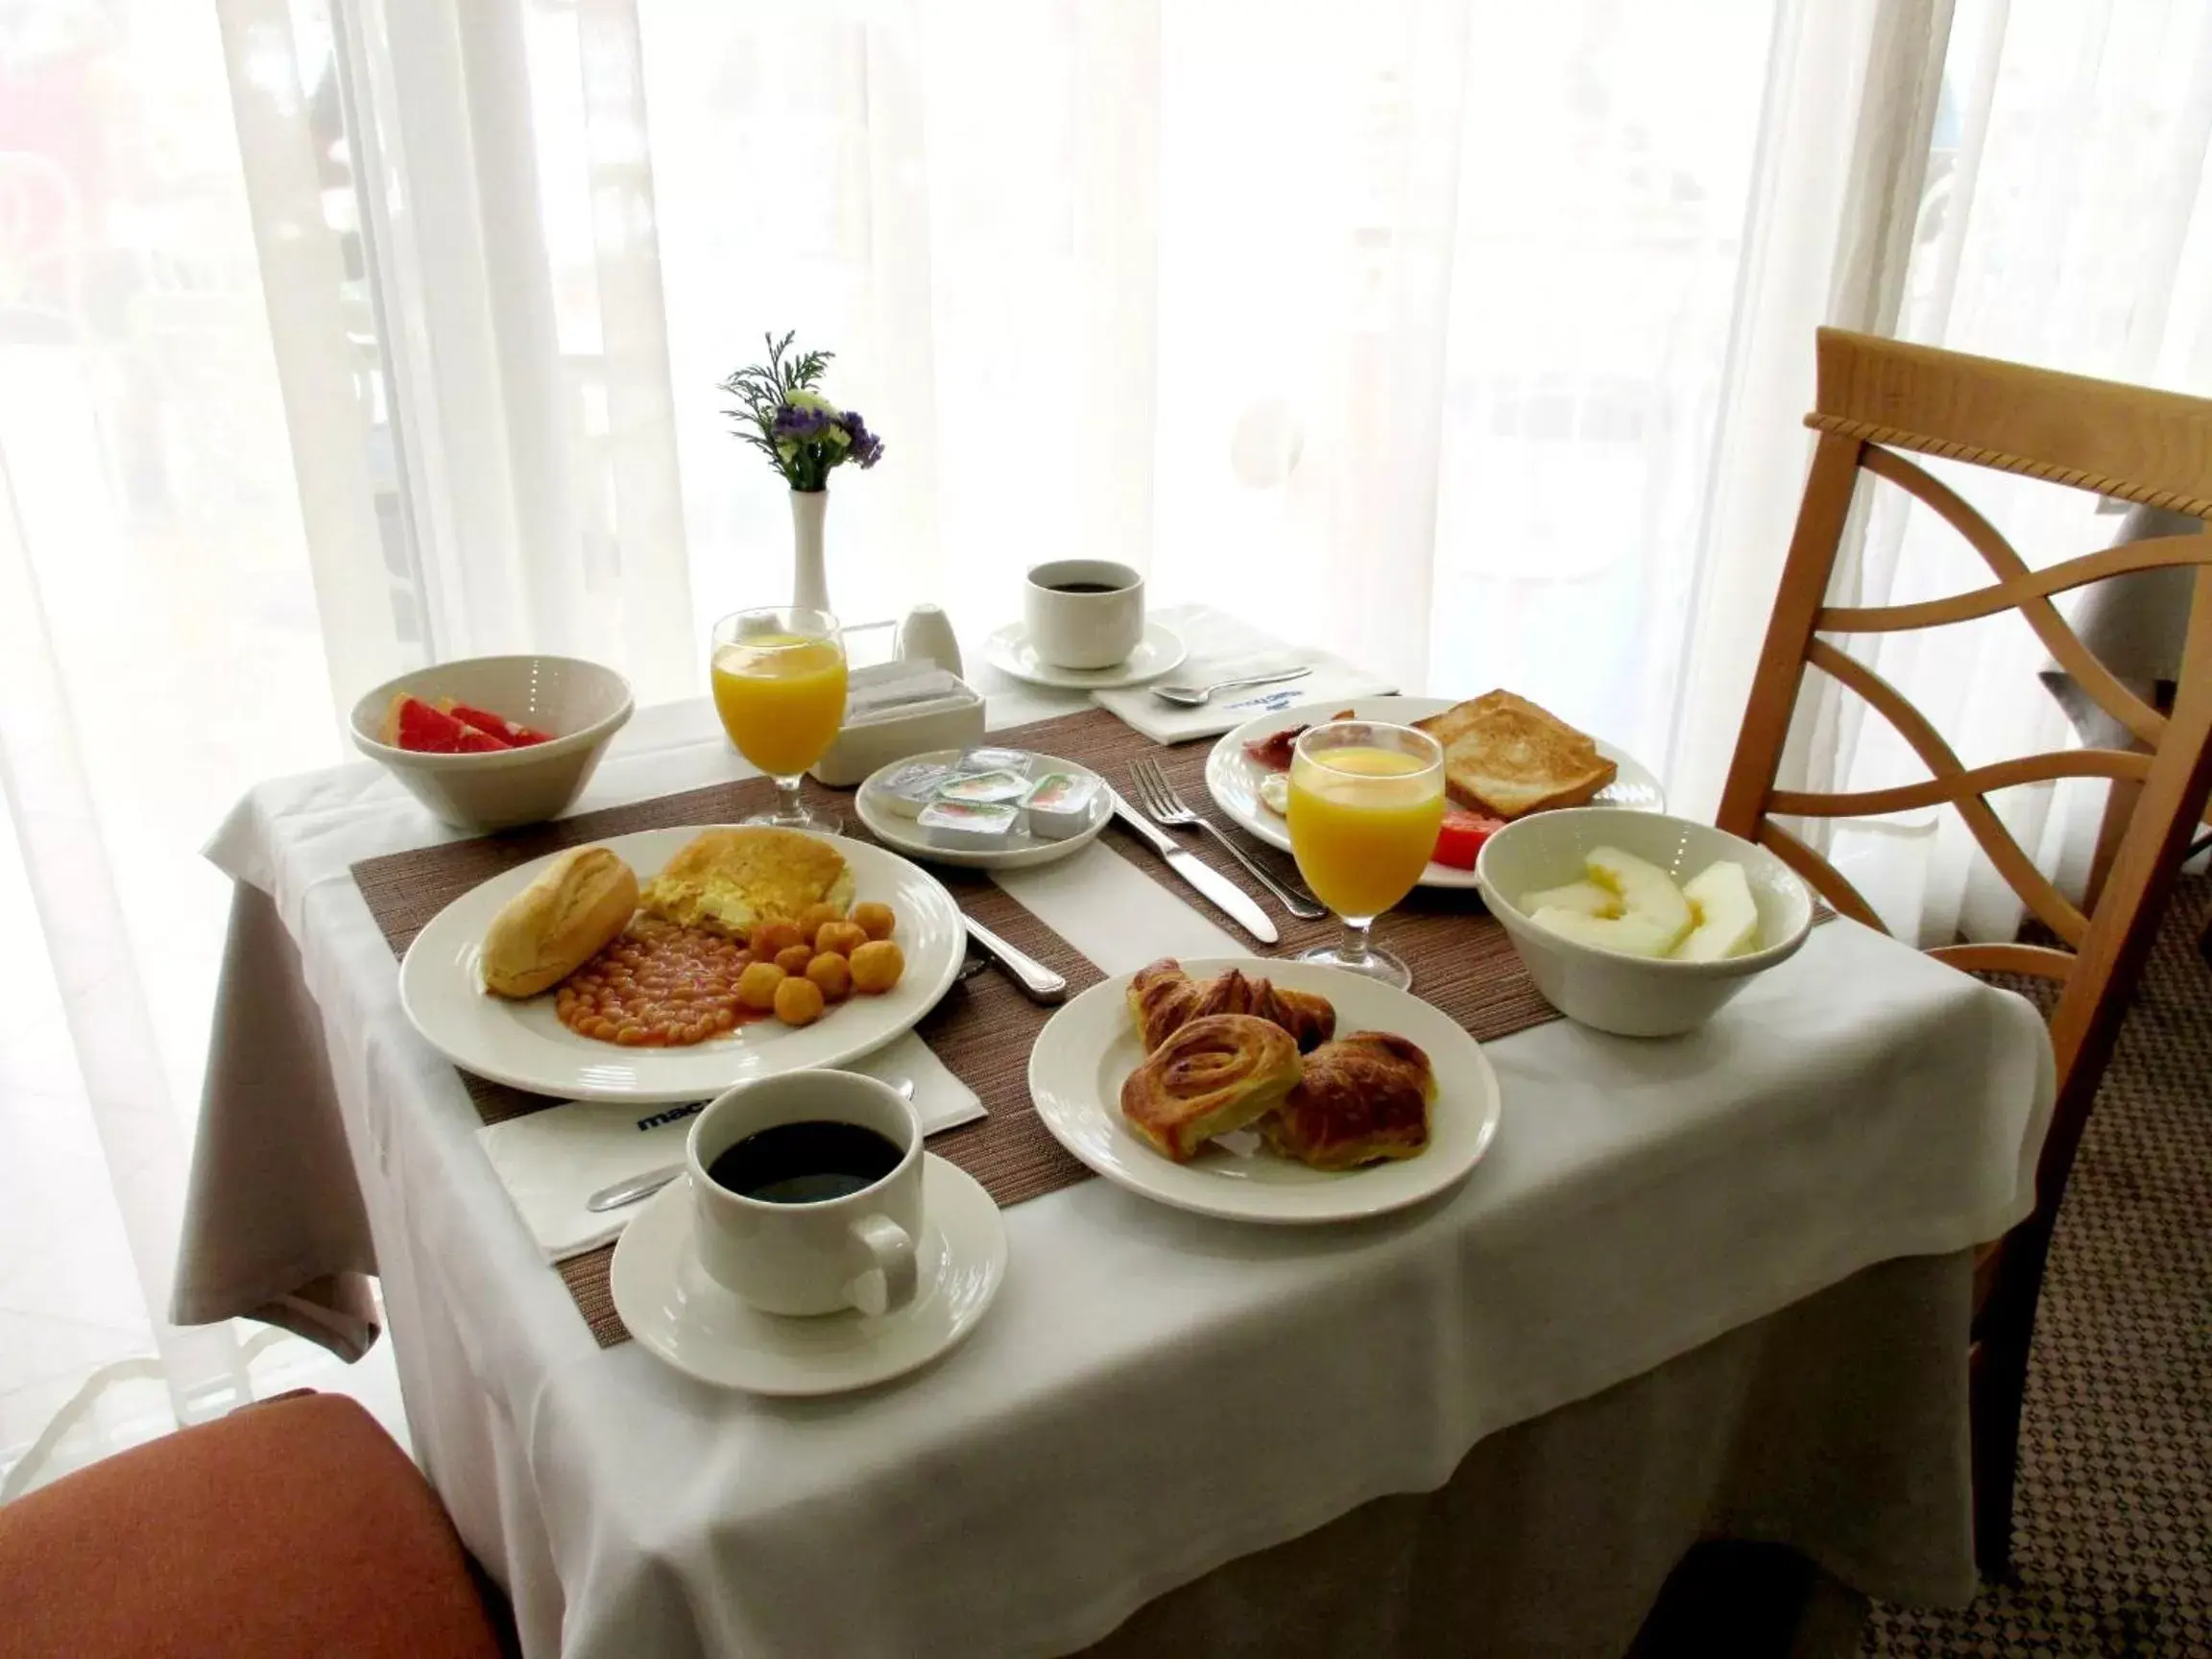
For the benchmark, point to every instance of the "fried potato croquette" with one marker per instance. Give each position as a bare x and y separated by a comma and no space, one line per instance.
842,937
877,966
834,973
799,1001
771,938
793,958
877,921
756,985
814,918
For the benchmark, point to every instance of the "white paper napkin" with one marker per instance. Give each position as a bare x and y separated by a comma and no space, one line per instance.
552,1161
896,687
1224,648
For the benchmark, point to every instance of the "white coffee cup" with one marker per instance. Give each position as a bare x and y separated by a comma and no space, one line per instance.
1084,630
852,1251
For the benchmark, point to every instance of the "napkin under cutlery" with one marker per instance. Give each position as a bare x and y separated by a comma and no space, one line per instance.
1224,648
552,1161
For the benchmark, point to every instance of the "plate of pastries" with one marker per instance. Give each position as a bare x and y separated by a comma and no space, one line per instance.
1504,757
1265,1091
668,964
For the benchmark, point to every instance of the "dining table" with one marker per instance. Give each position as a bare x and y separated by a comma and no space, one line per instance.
1707,1286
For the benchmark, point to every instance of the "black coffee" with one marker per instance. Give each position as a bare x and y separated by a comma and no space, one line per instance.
806,1163
1082,587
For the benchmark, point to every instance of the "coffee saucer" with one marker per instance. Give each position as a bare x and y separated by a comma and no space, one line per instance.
1011,651
675,1311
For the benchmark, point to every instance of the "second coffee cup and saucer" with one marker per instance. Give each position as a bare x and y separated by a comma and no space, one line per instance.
1083,628
813,1246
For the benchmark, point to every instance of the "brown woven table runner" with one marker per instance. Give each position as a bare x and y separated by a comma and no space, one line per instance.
983,1030
1463,960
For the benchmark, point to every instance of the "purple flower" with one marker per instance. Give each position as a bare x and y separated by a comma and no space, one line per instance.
867,449
795,423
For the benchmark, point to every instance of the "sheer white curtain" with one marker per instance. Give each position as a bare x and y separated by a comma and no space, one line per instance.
1464,337
2067,223
159,648
1413,329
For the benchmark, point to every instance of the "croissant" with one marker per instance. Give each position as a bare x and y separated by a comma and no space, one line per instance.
1215,1074
1361,1098
1163,998
1310,1020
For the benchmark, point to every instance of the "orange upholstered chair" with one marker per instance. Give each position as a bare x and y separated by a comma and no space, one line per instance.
291,1528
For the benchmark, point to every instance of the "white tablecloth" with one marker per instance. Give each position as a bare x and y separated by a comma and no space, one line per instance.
1155,1394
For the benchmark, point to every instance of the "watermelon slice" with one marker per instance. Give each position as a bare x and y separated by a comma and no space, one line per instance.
410,723
512,733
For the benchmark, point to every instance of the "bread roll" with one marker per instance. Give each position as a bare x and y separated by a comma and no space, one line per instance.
557,924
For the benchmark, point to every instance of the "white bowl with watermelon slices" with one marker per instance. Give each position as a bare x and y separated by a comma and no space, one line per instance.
490,742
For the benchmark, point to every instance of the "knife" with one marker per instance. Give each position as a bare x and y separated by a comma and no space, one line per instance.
1038,982
1231,899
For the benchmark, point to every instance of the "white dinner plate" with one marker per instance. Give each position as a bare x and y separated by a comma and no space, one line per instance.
1021,850
1090,1046
678,1312
525,1044
1233,777
1010,651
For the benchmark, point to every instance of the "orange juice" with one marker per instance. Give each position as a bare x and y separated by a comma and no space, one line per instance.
781,699
1363,826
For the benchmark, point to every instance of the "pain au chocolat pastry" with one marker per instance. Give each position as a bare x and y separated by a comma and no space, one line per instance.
1363,1098
1217,1074
1163,998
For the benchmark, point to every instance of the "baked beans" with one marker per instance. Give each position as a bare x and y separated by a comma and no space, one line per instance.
657,987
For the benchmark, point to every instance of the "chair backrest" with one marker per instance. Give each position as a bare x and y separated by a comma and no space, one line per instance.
1878,398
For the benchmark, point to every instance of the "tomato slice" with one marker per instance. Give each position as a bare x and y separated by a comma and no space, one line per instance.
1462,835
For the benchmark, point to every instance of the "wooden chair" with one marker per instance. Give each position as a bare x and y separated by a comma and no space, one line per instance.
1878,398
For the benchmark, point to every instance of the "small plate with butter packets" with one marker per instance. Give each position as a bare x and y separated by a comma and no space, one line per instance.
985,809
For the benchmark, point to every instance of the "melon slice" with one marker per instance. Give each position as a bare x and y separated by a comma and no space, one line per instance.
1631,935
414,725
1583,898
1727,915
1648,892
510,732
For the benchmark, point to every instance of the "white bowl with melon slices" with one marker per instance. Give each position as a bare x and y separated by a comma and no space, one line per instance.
1638,923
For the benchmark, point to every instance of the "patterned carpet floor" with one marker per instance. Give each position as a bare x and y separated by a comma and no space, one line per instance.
2113,1542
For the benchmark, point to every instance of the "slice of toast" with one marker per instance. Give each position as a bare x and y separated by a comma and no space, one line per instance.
1507,756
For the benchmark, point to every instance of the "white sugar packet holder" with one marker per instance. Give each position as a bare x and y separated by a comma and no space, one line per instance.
552,1161
1224,648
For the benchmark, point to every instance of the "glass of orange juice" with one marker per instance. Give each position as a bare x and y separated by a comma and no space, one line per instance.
1366,801
779,687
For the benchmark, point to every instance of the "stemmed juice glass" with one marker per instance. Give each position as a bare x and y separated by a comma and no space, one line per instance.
779,687
1366,801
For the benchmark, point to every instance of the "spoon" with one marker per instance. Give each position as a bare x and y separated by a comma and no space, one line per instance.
1195,696
645,1185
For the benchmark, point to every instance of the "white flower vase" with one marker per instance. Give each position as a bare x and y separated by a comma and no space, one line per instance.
810,581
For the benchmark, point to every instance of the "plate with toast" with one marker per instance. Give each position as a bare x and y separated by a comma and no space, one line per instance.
1504,757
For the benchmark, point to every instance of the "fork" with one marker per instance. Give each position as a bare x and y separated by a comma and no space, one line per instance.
1164,806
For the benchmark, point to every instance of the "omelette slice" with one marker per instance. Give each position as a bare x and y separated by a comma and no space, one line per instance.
726,881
